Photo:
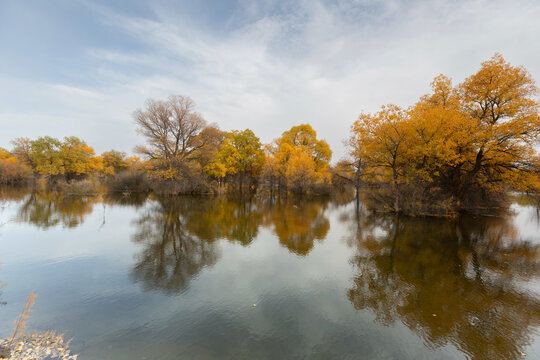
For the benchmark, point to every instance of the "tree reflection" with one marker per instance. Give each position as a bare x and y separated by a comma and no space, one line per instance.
172,254
8,193
179,234
298,222
448,281
136,200
234,219
45,210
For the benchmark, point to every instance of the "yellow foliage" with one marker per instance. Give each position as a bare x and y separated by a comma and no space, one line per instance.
240,154
299,159
478,135
6,155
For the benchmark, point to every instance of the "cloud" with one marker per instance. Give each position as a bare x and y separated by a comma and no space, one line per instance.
271,65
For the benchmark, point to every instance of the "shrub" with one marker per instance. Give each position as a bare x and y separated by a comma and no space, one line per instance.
14,172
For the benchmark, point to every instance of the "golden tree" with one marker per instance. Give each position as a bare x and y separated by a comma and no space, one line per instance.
240,155
300,159
458,148
379,140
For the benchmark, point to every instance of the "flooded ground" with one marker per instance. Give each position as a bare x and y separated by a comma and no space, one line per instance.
137,277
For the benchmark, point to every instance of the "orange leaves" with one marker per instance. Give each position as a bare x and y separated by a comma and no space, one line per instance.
379,138
12,171
240,153
478,135
299,159
498,91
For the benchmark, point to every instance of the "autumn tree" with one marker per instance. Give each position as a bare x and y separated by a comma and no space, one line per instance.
54,158
12,170
379,141
212,138
78,158
240,156
502,100
114,161
21,149
300,159
348,172
270,170
177,137
458,148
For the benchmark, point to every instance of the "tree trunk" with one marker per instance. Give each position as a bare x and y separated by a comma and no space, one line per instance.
396,191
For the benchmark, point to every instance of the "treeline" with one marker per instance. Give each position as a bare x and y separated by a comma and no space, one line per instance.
183,155
459,148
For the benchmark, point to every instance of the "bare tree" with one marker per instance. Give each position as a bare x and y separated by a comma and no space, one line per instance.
171,128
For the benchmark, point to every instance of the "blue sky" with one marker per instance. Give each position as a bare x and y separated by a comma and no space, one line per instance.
82,67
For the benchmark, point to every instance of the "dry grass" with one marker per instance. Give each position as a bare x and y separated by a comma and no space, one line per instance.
20,323
37,346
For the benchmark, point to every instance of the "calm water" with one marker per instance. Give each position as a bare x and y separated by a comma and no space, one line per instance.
214,278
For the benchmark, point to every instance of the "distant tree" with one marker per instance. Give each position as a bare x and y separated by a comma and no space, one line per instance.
179,145
171,128
349,172
300,159
240,156
12,170
114,161
211,137
78,158
22,150
53,158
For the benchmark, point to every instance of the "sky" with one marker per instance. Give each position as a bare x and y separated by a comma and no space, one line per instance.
81,67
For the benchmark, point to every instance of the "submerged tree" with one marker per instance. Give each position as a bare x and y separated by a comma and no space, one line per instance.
458,148
379,141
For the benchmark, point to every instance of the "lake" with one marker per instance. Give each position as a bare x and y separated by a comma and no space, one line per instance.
147,277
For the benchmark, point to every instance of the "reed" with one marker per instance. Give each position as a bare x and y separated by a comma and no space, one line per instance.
20,323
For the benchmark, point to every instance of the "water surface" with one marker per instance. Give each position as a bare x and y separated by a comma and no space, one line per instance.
137,277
